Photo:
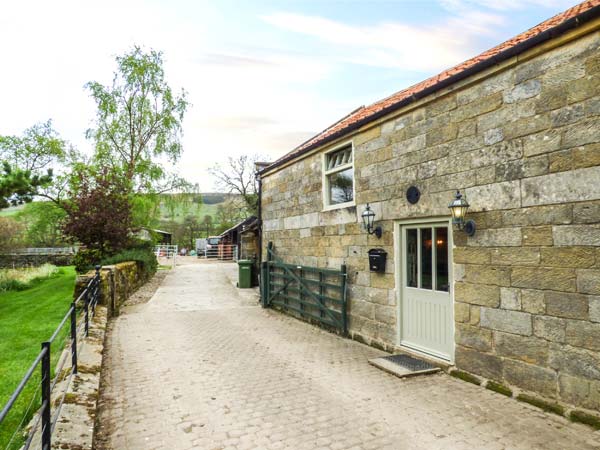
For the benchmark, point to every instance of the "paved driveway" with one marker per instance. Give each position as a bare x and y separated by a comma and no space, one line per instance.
201,366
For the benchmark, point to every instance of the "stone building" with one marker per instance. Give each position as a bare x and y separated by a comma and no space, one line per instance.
517,131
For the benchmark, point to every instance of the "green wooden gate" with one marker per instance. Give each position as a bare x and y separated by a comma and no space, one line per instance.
309,293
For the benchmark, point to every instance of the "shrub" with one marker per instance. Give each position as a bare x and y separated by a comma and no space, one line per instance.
99,212
143,244
11,232
144,256
43,224
86,259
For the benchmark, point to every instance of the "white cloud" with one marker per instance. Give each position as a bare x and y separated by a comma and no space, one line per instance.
394,44
246,97
503,5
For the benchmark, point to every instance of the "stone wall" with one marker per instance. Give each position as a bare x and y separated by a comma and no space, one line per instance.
17,261
523,142
119,281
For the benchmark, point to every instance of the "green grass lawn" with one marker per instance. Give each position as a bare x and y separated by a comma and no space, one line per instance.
27,318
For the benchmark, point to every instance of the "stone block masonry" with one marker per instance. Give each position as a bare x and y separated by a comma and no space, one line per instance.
18,260
523,143
118,282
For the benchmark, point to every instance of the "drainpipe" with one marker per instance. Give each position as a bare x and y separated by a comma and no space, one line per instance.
259,218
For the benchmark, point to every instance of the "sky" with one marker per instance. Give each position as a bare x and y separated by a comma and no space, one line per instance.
261,76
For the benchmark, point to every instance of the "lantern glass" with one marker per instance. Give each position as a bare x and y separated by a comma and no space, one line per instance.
368,217
459,207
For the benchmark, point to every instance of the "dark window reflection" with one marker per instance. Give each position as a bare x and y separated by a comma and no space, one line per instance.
341,187
411,258
426,252
441,255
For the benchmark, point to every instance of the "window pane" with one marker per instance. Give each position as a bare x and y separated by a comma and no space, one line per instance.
426,267
441,255
347,156
412,265
339,158
341,187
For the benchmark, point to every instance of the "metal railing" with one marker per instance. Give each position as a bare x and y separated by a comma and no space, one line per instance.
166,251
46,251
222,252
45,419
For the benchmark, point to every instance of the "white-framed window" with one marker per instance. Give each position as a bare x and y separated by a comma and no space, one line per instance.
338,177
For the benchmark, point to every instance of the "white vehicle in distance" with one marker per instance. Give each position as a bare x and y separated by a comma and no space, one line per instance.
200,247
212,246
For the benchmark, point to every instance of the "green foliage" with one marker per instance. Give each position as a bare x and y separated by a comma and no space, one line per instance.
86,259
192,230
43,222
216,213
179,212
28,318
144,256
140,251
149,209
11,233
18,186
99,212
145,210
26,162
38,147
138,120
180,204
143,244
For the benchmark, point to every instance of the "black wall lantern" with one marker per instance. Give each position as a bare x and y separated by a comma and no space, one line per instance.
368,217
459,207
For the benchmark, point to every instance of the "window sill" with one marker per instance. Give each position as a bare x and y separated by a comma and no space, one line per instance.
338,206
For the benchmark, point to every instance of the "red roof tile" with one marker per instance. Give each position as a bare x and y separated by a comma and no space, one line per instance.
507,49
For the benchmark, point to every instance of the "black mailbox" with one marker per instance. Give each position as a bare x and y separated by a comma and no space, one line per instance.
377,257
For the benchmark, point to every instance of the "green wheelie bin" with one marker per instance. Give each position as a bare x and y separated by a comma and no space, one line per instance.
245,273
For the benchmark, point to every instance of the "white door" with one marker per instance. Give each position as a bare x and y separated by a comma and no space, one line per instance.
426,298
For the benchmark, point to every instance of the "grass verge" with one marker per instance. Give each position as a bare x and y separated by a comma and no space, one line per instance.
27,318
554,408
499,388
583,417
465,377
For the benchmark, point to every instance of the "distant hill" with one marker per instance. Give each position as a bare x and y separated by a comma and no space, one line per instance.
209,205
213,198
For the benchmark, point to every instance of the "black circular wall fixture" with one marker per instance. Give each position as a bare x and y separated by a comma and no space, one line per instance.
413,195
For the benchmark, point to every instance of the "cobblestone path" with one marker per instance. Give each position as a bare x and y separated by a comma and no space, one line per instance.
202,367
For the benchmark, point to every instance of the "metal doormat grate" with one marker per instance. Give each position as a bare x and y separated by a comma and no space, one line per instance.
403,365
410,363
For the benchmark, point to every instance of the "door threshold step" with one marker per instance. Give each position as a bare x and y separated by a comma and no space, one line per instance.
404,366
